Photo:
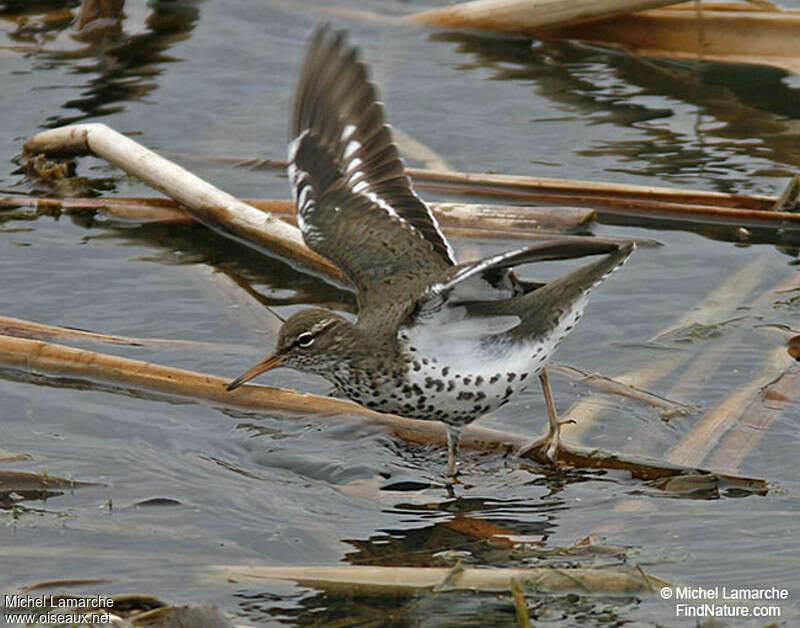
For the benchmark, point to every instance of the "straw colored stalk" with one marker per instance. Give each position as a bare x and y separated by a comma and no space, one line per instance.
206,203
10,456
520,605
479,183
22,482
622,198
616,387
484,219
763,409
738,423
409,580
41,357
632,207
57,360
759,33
521,16
720,304
720,31
747,402
747,407
22,328
262,318
631,199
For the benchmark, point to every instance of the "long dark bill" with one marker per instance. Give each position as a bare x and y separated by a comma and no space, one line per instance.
270,362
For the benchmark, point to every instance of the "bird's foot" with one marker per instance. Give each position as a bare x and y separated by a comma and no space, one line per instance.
545,449
451,480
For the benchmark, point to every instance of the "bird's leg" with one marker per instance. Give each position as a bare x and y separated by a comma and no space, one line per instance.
550,444
553,439
453,437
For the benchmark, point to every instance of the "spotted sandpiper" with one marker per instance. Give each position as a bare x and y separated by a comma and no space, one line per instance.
434,339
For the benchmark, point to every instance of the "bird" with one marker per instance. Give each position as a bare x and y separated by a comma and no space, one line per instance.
434,339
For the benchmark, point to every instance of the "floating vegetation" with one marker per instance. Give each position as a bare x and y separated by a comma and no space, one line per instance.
453,553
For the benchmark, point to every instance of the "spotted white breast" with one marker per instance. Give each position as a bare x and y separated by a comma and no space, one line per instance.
460,368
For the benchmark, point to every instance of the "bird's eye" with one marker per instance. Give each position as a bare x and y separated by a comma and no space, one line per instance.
306,339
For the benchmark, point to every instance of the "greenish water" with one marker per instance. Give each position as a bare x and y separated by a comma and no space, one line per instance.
216,79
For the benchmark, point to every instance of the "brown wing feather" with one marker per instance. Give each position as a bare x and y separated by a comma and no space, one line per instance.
338,106
383,255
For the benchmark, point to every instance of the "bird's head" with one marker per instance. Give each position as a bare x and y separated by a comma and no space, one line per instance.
307,341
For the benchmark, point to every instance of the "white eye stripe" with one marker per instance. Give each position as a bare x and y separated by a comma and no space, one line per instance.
323,324
306,339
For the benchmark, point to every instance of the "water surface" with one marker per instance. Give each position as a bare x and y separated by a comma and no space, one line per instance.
191,486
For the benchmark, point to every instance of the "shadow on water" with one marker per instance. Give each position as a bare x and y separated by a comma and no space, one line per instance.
116,67
442,608
454,533
787,241
732,105
269,280
511,519
513,514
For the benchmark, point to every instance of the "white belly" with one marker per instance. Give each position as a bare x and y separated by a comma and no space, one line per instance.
460,378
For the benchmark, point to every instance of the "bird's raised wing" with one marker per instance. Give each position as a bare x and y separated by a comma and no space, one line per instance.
355,204
497,303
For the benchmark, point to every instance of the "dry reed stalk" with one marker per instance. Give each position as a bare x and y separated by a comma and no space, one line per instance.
520,16
21,328
618,195
619,198
262,318
57,360
488,218
412,148
728,32
206,203
520,605
707,433
145,210
474,183
634,207
767,406
750,403
405,580
622,197
525,219
22,482
9,456
615,387
717,305
646,201
702,438
52,359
